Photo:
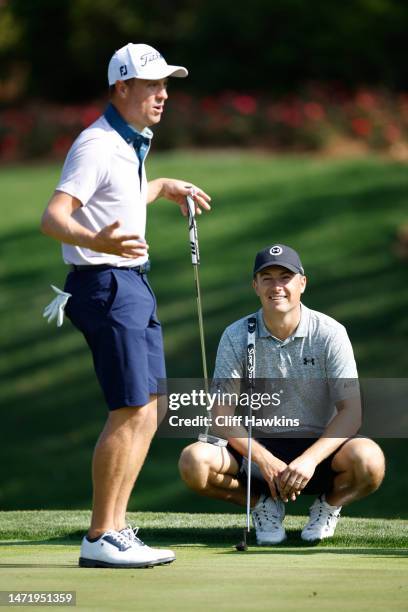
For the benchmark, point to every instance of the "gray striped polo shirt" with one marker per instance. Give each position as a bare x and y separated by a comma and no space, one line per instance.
317,358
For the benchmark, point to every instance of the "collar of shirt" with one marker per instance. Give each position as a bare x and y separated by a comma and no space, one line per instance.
139,140
300,332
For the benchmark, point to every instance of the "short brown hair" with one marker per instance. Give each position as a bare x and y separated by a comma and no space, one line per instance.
112,88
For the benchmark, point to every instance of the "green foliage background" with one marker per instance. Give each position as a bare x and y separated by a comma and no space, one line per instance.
268,45
341,215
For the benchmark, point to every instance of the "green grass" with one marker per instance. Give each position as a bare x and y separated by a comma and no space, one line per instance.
219,579
184,529
340,214
364,565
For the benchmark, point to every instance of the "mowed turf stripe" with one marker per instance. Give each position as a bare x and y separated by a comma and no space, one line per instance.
177,528
219,578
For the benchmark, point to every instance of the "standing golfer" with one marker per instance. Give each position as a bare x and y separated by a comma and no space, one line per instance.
98,212
299,344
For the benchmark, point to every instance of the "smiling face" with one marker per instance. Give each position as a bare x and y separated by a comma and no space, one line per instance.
279,290
140,102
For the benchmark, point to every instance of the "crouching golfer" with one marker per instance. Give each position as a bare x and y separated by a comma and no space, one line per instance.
98,212
297,343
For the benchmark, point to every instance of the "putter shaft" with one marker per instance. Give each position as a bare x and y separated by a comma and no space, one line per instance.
201,326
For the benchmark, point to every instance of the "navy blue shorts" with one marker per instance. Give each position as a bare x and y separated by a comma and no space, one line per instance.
116,312
287,449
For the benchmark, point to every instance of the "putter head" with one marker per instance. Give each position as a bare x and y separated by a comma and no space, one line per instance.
243,546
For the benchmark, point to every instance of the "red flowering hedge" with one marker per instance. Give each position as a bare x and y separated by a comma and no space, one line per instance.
310,122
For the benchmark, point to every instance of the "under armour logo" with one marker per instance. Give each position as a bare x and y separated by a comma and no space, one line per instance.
123,70
306,360
276,250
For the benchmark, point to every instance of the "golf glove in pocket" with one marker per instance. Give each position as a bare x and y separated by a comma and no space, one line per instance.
55,309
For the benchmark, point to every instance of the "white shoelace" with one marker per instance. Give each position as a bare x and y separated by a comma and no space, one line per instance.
119,537
131,534
319,511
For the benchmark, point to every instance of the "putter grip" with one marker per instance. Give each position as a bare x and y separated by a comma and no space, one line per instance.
251,355
192,226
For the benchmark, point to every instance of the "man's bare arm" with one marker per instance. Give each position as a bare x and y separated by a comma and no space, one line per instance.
344,425
270,466
176,191
58,223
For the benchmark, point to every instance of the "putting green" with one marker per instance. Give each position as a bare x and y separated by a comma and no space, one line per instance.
204,578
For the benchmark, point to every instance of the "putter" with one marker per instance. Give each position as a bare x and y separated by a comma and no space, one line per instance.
195,260
250,362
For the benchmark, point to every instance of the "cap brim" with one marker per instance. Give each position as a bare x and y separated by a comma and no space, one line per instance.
280,265
175,71
178,71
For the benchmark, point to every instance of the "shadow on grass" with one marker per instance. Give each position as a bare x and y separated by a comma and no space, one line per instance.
229,537
390,553
38,565
305,550
338,217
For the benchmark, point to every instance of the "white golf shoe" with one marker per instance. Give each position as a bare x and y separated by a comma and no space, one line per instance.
163,555
113,549
267,517
322,521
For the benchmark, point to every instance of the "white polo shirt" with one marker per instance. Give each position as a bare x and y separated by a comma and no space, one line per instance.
102,171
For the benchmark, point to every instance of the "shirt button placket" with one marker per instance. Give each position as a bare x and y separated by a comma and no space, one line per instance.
282,359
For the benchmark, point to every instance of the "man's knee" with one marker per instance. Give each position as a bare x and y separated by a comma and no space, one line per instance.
136,417
194,465
367,463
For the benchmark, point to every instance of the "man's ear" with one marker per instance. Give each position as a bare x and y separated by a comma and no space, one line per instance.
121,89
304,283
255,285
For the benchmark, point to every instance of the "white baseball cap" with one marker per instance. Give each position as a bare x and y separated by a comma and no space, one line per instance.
141,62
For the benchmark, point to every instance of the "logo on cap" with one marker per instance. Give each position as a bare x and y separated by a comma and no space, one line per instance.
123,70
276,250
150,57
